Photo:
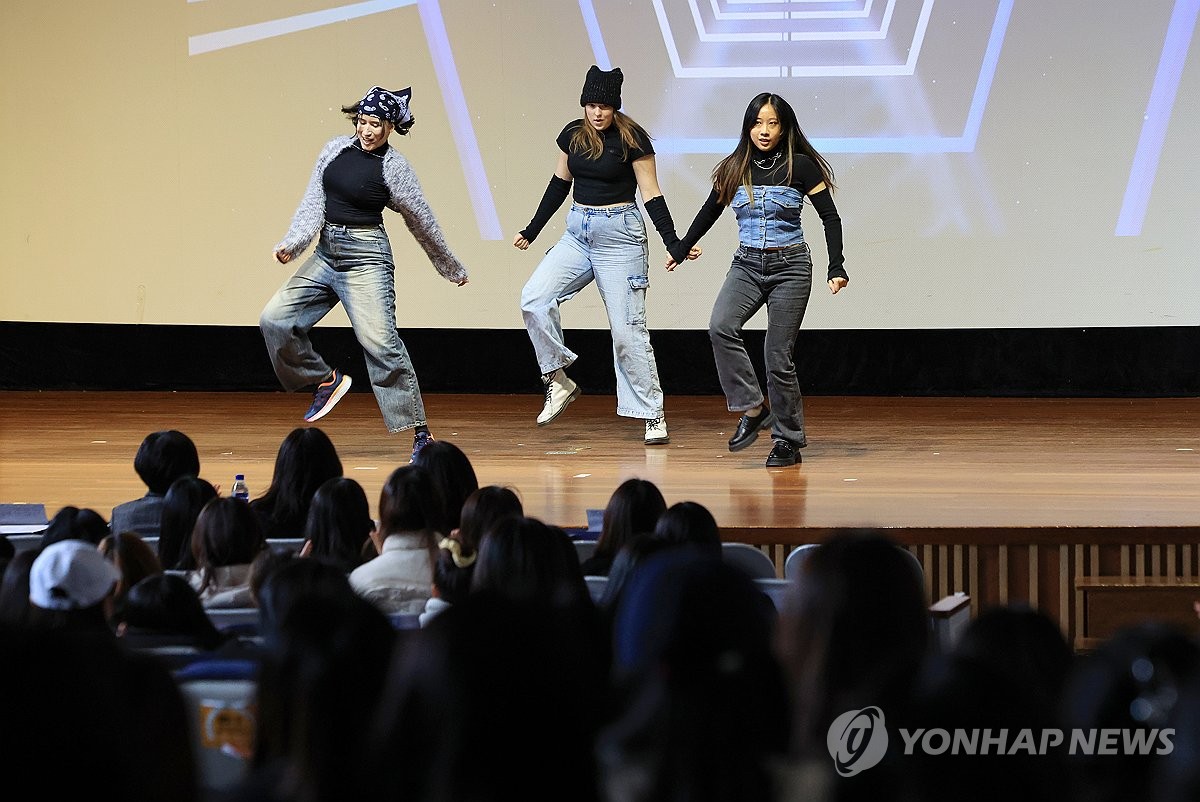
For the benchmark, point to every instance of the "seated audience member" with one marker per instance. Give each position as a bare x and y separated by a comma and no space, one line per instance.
495,700
702,708
321,680
455,566
73,523
306,460
339,524
225,541
525,560
400,579
286,581
1005,674
1132,684
854,637
162,458
181,506
70,583
636,550
135,561
633,509
14,589
85,718
164,610
689,524
453,480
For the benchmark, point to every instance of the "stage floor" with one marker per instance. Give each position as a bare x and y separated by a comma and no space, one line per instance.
888,462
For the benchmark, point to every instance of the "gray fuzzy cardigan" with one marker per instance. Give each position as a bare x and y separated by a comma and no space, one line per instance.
406,198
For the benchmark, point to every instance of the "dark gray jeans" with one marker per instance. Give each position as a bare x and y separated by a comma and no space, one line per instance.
782,280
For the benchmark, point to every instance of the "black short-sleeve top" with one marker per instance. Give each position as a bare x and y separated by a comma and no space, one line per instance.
608,179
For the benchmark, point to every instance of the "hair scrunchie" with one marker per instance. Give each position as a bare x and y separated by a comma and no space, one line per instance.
455,548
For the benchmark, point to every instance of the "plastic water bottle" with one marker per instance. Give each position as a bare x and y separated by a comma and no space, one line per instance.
239,489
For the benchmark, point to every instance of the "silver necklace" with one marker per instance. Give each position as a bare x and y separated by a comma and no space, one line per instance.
768,164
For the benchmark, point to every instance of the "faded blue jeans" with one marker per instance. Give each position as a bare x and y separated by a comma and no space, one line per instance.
782,280
607,245
354,266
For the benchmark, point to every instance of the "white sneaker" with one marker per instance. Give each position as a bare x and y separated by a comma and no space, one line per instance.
560,391
656,432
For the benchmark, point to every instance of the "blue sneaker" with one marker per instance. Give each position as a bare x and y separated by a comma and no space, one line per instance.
420,440
327,395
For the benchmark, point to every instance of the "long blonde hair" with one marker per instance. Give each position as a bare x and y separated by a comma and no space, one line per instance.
588,141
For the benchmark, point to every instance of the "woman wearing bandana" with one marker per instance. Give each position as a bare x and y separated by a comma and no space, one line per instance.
609,157
354,179
766,179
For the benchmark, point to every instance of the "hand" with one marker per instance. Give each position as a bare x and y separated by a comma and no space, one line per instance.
521,243
462,281
837,283
671,265
695,252
282,256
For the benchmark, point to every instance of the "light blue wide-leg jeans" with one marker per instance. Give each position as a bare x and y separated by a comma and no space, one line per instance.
608,246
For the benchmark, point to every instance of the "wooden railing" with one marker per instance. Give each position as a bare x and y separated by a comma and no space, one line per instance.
1058,570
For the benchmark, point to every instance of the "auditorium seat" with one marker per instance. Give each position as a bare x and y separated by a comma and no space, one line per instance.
750,560
584,549
219,695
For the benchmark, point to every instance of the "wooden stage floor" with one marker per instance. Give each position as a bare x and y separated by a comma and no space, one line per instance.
889,462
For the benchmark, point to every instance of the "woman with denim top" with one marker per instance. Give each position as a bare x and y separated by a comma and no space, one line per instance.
766,180
354,179
609,157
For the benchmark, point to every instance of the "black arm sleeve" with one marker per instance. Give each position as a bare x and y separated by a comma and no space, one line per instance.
656,207
556,192
823,203
705,218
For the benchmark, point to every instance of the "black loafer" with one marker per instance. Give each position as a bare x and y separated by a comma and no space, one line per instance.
748,428
782,455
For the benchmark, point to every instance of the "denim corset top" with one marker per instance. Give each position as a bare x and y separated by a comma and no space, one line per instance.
772,220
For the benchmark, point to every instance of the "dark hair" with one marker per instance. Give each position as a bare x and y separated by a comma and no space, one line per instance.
306,459
227,533
285,582
525,560
482,510
167,605
134,559
689,524
633,508
73,523
339,520
165,456
14,589
470,708
453,480
320,682
352,112
734,170
182,504
702,706
406,503
857,632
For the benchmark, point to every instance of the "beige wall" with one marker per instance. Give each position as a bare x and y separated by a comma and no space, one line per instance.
139,183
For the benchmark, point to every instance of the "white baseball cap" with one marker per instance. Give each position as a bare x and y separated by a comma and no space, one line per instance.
71,575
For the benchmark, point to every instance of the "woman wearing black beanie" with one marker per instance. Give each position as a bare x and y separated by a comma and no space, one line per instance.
609,157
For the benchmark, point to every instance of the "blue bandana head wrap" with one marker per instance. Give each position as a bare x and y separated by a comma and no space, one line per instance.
387,105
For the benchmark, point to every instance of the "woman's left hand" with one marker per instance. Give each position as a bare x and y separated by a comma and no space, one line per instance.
837,283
